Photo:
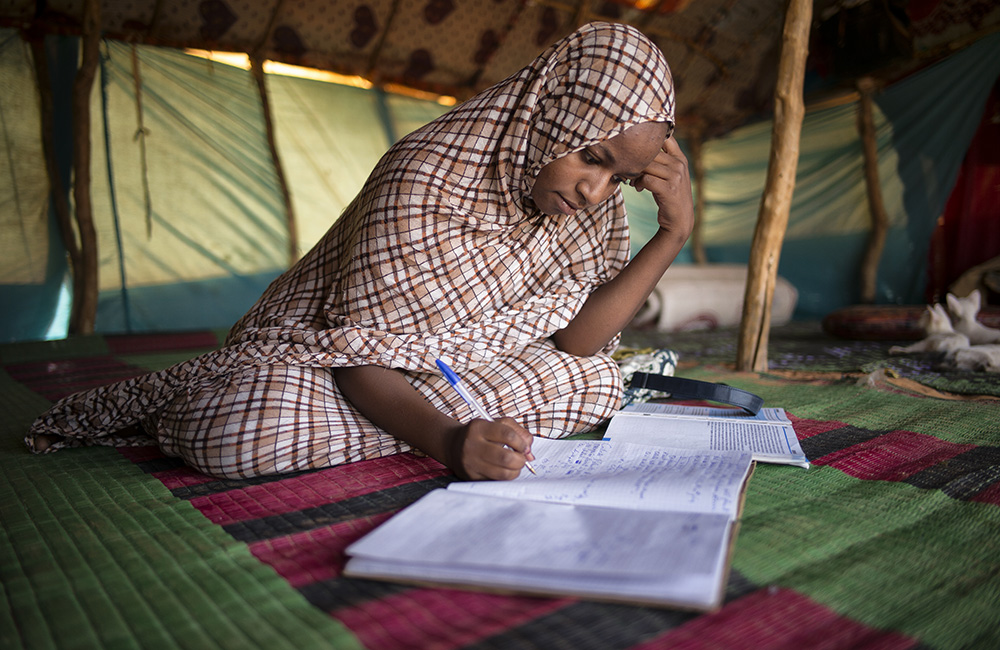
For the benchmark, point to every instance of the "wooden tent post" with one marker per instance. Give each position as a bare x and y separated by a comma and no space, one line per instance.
57,191
772,220
84,312
257,69
876,208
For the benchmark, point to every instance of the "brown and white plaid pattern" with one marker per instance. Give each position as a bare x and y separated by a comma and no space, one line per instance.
442,254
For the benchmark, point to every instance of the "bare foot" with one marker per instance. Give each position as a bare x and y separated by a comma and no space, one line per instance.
43,441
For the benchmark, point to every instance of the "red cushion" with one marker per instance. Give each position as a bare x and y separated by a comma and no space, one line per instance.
888,322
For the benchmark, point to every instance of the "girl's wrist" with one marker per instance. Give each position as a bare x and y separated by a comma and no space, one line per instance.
668,236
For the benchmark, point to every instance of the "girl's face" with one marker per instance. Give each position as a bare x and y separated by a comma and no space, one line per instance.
587,177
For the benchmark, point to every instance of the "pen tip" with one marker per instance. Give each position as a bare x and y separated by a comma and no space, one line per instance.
448,373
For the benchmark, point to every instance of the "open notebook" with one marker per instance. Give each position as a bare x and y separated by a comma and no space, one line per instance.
602,520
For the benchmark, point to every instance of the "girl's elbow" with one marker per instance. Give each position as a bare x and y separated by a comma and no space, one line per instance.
574,345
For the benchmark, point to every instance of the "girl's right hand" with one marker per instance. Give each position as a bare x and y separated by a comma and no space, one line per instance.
484,450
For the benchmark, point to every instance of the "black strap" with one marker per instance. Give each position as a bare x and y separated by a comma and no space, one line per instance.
694,389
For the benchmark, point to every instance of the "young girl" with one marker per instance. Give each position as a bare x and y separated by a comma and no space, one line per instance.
494,237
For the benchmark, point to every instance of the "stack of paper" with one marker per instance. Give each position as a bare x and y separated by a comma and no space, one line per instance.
768,435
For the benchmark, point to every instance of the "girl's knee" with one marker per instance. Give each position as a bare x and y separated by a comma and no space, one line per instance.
602,369
589,392
598,374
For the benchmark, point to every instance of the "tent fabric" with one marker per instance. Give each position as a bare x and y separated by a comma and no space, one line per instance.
456,48
24,250
329,138
218,225
935,115
969,234
214,201
213,233
924,125
724,52
31,263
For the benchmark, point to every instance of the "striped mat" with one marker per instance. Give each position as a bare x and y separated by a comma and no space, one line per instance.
890,541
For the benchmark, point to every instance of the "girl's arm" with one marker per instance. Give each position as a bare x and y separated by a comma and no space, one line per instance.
474,450
614,304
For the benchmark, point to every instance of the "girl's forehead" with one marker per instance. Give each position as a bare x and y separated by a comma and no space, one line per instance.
632,150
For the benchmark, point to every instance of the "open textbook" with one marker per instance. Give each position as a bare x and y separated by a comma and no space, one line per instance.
769,435
602,520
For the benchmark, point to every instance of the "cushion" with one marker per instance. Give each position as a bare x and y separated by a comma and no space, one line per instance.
693,296
888,322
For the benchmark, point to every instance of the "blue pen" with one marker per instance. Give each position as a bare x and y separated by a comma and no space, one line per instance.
473,403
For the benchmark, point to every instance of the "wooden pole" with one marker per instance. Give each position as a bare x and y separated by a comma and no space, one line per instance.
772,220
57,191
695,142
876,208
84,312
257,69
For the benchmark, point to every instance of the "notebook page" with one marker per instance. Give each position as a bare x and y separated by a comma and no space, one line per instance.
770,414
770,441
549,547
625,475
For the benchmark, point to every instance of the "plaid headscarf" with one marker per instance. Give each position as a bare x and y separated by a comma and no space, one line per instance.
443,253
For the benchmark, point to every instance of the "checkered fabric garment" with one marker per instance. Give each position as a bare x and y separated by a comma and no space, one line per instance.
442,254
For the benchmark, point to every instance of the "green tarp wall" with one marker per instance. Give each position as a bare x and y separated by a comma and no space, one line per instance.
191,232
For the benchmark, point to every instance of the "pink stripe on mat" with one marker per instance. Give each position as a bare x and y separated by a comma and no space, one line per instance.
894,456
314,555
144,343
316,488
56,379
182,477
808,428
141,454
417,618
776,619
171,478
440,618
989,495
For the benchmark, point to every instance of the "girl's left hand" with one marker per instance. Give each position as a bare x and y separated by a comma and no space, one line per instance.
669,180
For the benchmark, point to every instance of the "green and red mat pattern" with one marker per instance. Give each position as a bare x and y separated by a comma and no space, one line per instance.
888,542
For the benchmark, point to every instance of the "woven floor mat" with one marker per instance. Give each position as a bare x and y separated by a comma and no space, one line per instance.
889,541
94,553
